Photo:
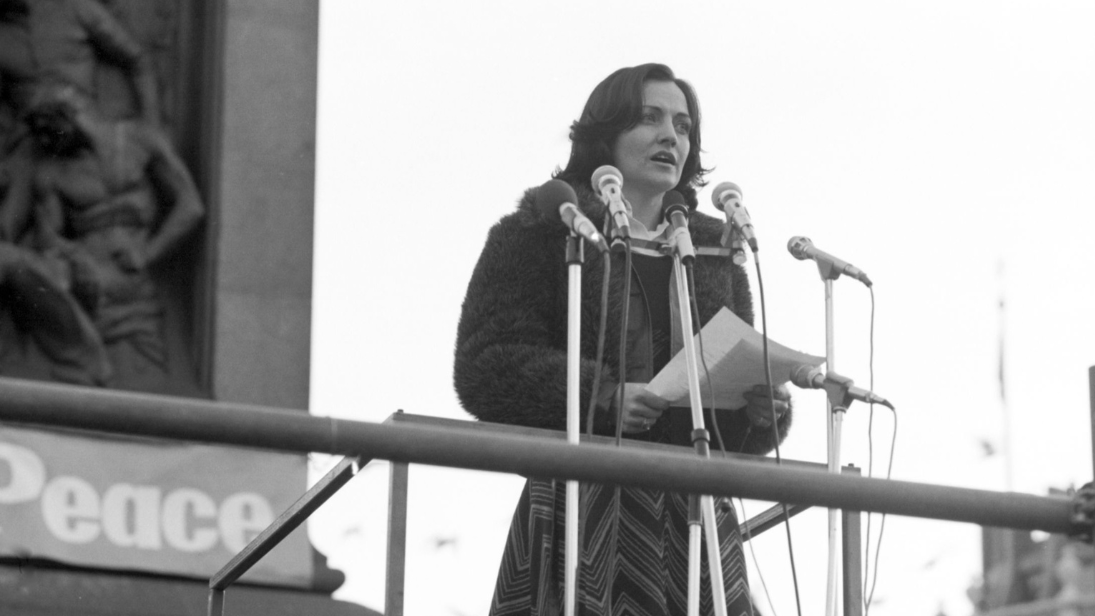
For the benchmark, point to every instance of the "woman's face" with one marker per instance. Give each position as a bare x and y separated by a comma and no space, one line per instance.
651,154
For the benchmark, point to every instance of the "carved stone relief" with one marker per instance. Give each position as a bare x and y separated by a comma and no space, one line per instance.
95,200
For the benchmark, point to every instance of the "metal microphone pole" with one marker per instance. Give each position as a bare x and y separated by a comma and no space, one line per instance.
705,504
834,426
574,256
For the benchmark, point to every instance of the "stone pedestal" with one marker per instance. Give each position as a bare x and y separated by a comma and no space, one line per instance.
237,83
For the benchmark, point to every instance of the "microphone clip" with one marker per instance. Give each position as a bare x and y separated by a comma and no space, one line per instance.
839,391
732,237
828,270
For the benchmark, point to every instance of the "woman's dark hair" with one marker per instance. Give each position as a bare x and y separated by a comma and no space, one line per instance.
616,105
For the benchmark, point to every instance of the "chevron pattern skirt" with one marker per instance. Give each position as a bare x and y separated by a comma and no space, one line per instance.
639,541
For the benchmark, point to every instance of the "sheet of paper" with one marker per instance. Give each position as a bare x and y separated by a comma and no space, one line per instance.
734,353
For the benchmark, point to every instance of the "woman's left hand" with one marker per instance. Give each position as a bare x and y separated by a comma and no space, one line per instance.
759,408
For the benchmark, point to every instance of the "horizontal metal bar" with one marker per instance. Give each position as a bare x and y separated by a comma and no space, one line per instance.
765,520
559,435
232,424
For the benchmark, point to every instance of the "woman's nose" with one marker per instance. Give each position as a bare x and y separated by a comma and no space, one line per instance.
667,133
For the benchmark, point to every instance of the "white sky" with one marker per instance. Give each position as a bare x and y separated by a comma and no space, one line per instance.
946,148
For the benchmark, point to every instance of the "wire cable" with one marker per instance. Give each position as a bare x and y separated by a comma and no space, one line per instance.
756,564
868,598
690,274
622,366
775,424
882,526
592,412
622,358
694,307
871,452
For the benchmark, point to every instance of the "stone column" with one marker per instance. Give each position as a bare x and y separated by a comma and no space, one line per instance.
261,191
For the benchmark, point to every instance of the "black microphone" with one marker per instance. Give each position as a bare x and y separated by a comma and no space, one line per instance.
556,201
609,182
675,210
727,199
802,248
808,377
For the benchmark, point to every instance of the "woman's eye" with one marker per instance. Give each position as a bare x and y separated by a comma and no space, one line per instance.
649,117
684,128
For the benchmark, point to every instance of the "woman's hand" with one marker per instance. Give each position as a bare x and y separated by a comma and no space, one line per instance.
759,408
641,408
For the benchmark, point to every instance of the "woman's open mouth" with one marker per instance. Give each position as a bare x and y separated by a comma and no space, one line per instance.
665,158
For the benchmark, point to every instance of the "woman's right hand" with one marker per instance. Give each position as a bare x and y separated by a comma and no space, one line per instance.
641,408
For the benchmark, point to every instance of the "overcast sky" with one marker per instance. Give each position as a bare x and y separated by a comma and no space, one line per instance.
946,148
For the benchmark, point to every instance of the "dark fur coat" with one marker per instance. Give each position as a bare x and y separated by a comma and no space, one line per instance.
511,341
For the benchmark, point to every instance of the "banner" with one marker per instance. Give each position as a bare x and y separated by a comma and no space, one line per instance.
147,505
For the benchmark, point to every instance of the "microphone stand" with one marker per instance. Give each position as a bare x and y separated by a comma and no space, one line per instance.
705,504
835,426
835,414
838,396
574,256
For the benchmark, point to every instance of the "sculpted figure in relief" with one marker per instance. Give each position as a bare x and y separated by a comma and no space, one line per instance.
105,200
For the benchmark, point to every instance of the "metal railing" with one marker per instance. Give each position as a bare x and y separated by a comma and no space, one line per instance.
398,486
508,450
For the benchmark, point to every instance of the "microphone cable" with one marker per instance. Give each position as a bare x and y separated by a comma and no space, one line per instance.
620,394
725,502
775,424
756,563
694,307
868,598
592,410
597,376
622,359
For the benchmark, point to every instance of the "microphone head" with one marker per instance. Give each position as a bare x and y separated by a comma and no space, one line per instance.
803,376
798,245
723,193
553,194
604,175
673,202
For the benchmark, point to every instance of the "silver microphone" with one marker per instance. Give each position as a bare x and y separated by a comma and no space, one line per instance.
727,199
676,212
608,182
802,248
808,377
556,201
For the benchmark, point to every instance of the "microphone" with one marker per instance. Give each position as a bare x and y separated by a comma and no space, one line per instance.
802,248
807,377
556,201
676,212
609,183
727,199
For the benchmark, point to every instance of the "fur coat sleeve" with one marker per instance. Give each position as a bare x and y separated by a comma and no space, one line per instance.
511,340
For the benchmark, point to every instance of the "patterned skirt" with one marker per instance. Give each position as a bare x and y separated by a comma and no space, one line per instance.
648,567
